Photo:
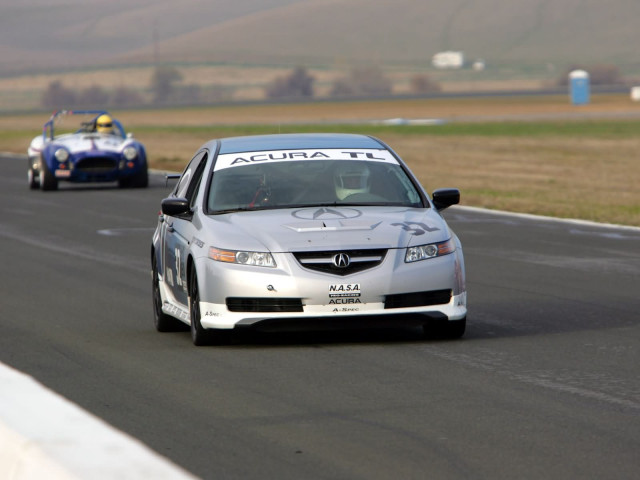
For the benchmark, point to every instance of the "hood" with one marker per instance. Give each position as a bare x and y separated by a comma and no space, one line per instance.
327,228
82,142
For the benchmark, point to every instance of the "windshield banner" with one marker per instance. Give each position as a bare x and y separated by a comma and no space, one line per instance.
251,158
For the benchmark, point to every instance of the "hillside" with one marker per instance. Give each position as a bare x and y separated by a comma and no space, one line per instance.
37,35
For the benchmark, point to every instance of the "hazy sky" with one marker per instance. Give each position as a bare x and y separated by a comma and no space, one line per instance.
40,33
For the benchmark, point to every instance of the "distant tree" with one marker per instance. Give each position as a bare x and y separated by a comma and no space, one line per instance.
362,81
343,87
217,93
187,94
600,74
125,97
295,85
94,96
56,96
163,83
371,80
423,84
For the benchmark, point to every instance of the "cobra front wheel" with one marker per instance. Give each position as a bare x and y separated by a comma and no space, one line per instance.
47,180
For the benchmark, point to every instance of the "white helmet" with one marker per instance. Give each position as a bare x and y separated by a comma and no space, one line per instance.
350,178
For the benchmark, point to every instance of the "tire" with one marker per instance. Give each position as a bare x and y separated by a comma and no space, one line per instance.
162,321
455,329
199,335
34,183
139,180
449,329
47,180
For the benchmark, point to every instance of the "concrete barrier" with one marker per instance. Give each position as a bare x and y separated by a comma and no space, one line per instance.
44,436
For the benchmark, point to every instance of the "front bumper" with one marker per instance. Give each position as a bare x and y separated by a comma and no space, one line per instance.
393,292
97,168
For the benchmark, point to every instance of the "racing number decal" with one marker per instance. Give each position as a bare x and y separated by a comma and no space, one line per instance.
175,255
178,265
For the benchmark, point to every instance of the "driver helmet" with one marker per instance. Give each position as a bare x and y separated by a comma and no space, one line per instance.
104,124
351,178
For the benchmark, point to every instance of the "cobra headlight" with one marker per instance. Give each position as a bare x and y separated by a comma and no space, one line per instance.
61,155
432,250
258,259
130,153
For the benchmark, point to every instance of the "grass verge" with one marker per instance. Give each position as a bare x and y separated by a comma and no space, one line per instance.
586,169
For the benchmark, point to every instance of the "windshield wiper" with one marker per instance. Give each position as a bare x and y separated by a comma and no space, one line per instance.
239,209
230,210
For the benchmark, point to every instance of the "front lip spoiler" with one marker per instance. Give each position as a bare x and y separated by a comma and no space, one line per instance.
356,322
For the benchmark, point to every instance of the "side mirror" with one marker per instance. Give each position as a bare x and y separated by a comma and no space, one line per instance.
170,176
176,207
445,197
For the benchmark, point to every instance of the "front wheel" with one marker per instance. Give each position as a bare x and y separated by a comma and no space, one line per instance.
455,328
47,179
200,335
34,183
138,180
450,329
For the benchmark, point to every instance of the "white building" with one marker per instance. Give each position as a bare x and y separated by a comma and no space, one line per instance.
449,59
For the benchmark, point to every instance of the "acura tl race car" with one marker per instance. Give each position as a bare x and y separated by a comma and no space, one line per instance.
97,149
304,231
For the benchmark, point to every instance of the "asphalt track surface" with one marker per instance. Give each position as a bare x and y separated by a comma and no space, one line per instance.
545,384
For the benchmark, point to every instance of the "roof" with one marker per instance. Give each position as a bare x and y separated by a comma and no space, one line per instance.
289,141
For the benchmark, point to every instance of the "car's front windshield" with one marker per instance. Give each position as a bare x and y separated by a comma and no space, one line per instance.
288,184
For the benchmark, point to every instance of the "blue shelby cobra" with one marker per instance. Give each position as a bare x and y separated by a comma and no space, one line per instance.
95,149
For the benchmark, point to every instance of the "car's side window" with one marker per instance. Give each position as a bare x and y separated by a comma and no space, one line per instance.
182,188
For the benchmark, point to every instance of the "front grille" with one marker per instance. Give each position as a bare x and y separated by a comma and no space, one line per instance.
323,261
96,165
417,299
249,304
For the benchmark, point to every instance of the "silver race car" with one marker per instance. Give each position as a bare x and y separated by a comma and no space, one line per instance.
304,231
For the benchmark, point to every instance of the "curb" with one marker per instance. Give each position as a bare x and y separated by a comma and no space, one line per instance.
43,435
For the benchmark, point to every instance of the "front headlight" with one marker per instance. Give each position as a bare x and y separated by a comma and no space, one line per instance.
130,153
61,155
258,259
423,252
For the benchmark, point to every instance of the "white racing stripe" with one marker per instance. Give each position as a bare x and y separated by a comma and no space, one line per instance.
529,216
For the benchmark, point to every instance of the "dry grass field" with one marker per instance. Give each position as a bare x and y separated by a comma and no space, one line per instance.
592,180
564,173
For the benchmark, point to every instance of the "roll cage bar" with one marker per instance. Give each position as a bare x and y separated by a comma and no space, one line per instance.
48,128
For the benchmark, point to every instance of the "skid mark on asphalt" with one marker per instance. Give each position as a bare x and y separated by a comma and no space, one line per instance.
63,246
495,363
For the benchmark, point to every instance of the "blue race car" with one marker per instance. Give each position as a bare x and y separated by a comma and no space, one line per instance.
98,151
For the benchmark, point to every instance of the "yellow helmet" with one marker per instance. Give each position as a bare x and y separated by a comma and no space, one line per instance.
104,124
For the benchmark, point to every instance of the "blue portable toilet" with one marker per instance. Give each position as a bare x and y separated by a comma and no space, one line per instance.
579,87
